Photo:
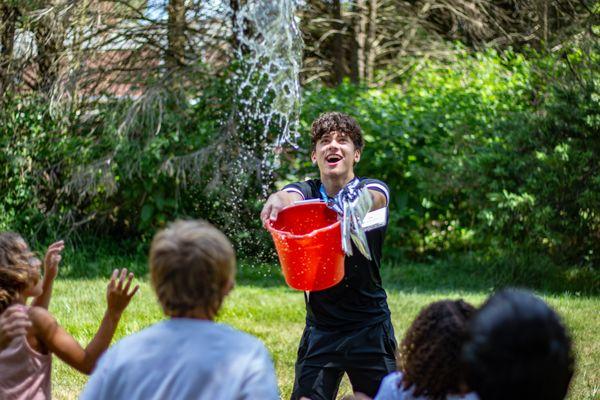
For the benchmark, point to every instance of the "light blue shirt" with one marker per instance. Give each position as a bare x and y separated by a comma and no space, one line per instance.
392,389
185,359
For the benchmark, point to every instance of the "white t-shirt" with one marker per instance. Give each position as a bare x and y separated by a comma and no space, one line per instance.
185,359
391,389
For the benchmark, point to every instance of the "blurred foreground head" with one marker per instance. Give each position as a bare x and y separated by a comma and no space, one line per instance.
192,268
517,348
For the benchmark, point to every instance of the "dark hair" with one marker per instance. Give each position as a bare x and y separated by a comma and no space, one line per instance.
429,354
16,271
336,121
517,348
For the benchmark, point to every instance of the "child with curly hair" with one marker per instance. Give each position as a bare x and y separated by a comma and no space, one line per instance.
13,321
429,356
25,363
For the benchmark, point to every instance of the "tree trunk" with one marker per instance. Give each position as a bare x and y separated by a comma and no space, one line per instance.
352,47
49,41
338,44
247,32
175,57
361,36
9,16
370,45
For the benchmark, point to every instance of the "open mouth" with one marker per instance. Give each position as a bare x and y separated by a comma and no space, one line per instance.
333,159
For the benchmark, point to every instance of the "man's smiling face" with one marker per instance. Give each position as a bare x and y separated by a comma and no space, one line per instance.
335,154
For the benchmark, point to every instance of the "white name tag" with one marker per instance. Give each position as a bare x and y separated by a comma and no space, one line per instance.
308,201
375,219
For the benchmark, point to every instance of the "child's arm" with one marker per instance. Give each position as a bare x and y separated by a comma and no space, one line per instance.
51,260
58,341
13,322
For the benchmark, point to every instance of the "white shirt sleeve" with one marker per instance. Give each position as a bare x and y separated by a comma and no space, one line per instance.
294,190
381,189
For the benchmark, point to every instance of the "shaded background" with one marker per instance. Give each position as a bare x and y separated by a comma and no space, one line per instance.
482,116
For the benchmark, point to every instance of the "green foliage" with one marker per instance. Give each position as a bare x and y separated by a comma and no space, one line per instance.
409,129
126,167
495,155
533,188
32,164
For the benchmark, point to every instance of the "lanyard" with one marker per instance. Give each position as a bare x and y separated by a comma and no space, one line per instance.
326,197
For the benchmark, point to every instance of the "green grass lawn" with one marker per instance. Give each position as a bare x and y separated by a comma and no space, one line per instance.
263,306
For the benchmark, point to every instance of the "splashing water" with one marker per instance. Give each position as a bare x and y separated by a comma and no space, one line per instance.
270,45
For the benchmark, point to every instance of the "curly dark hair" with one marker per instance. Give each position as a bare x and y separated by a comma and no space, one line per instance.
16,271
518,348
429,354
336,121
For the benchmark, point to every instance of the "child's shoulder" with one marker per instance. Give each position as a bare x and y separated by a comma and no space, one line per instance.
394,378
39,315
390,387
242,336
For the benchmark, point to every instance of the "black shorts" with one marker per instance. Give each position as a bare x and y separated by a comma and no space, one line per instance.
367,355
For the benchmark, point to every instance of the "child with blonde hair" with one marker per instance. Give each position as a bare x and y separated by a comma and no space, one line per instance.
25,362
187,356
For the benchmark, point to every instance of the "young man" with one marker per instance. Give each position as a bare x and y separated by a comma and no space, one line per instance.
188,356
348,327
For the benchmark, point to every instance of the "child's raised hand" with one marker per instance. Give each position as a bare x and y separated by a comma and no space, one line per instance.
118,293
52,259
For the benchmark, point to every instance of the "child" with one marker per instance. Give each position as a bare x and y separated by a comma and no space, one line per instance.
192,268
25,363
518,348
13,322
429,356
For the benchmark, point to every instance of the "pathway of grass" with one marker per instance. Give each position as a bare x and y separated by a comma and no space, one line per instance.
263,306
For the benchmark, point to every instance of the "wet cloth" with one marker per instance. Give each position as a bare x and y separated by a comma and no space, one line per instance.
24,372
392,389
185,359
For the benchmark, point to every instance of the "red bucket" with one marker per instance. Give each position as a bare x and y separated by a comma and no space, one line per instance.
308,240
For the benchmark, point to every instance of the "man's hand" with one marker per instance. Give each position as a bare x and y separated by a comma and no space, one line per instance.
52,259
13,322
275,203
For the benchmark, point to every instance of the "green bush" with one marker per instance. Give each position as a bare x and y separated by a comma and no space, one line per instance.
494,155
415,133
497,153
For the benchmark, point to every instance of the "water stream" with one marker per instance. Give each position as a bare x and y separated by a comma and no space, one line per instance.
270,45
